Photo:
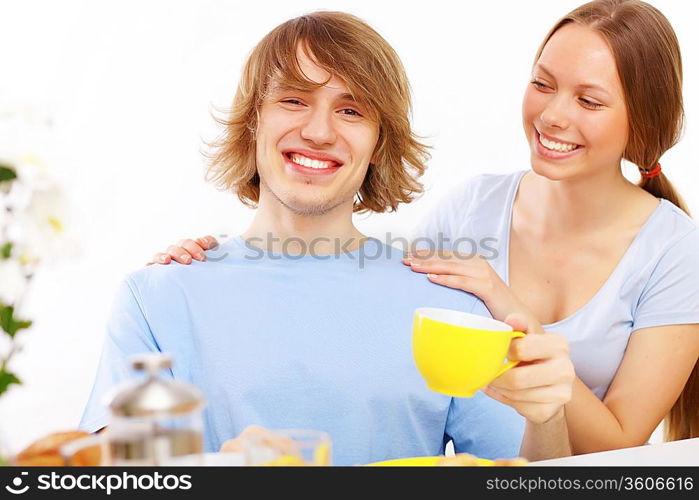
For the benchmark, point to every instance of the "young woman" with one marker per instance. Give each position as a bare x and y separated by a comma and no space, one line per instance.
611,265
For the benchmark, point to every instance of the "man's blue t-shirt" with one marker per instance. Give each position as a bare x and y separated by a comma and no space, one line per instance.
319,342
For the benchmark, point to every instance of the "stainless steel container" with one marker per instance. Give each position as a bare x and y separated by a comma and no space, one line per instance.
154,420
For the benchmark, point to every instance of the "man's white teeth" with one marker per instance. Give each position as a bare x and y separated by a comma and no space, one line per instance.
307,162
556,146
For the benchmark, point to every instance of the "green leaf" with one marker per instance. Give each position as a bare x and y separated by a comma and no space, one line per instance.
6,380
6,317
11,324
6,250
7,173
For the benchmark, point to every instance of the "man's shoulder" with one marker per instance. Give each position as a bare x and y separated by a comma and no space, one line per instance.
161,279
400,284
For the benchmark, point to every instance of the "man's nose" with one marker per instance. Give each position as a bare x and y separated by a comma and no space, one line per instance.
319,127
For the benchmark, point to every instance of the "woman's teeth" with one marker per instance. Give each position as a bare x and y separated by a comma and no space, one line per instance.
556,146
307,162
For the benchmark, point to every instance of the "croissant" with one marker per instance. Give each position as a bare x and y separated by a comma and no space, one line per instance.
46,451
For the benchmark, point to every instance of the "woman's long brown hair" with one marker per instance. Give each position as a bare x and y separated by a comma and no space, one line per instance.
649,63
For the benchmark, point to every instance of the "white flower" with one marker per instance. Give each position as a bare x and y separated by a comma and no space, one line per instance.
4,216
12,280
36,224
39,229
33,174
15,194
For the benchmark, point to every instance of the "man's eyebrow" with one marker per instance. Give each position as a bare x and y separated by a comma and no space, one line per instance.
582,86
278,88
287,88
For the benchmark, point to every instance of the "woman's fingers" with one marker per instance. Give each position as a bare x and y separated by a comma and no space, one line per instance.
551,372
427,254
185,250
543,395
472,266
542,383
518,322
193,248
522,377
207,242
160,258
179,254
465,283
535,412
454,268
470,273
538,347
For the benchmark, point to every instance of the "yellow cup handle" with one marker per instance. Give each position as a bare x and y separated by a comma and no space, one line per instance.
510,364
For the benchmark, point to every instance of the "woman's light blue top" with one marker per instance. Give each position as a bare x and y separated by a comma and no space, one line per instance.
656,282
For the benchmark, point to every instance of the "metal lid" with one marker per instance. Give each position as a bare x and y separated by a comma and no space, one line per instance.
154,396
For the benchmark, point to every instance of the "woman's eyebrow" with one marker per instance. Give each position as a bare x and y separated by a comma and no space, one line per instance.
582,86
543,68
593,86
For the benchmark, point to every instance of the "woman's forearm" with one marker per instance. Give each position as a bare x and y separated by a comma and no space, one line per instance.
547,440
592,426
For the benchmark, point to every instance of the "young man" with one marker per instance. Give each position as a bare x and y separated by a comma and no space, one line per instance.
302,322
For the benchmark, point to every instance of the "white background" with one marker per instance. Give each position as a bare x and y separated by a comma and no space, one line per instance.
129,87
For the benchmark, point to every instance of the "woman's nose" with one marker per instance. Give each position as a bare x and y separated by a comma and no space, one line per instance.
555,114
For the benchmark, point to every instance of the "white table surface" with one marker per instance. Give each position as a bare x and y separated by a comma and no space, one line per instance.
223,459
675,453
685,452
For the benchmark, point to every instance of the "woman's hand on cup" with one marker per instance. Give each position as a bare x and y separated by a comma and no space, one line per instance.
468,272
185,250
542,383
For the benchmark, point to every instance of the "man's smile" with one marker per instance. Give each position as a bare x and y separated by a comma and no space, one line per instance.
311,162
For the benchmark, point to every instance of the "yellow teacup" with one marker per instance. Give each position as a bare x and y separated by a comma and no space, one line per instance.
458,353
